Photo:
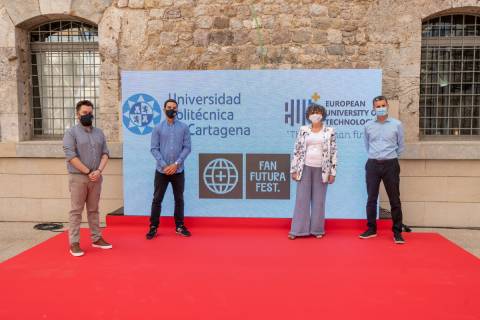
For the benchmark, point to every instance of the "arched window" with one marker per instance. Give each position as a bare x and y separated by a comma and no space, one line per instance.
65,69
450,76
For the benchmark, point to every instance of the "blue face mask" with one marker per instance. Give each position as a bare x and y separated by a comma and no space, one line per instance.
381,111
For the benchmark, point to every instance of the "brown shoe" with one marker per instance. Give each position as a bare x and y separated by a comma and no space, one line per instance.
75,250
102,244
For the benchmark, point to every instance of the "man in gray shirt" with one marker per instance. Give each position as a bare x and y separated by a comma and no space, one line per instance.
87,155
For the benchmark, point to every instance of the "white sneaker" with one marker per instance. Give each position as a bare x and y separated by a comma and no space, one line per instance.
75,250
102,244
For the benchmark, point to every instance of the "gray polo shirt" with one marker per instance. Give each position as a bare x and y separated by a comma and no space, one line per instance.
86,143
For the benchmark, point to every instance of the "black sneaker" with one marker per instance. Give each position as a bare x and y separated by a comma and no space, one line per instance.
397,237
183,231
368,234
151,233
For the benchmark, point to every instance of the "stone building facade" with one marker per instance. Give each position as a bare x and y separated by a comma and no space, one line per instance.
440,178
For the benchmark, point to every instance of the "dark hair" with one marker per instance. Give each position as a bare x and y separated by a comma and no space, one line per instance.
313,107
83,103
379,98
169,100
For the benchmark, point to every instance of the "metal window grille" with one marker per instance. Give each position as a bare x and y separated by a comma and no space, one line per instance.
450,77
65,69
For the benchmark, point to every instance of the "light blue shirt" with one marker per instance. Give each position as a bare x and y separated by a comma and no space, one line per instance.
170,143
384,140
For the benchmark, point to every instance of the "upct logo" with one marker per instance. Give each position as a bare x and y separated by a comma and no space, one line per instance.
220,175
295,109
141,113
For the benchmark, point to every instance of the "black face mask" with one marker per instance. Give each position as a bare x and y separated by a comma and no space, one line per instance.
171,113
86,120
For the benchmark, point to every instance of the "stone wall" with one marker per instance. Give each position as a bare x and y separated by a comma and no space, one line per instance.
231,34
439,193
225,34
433,192
37,189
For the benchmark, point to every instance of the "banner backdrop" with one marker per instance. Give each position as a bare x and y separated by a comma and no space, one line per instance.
243,126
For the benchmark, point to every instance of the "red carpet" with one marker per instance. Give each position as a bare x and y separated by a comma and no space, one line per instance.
242,269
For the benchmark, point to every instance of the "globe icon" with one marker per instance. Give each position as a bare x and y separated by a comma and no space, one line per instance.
220,176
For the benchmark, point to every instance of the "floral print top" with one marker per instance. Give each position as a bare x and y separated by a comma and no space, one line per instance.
329,152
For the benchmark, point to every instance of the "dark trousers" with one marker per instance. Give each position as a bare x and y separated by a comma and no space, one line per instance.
387,171
161,183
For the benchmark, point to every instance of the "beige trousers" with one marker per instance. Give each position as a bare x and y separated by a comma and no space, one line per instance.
84,192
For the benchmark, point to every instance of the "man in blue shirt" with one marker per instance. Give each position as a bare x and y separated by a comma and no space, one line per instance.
170,146
384,143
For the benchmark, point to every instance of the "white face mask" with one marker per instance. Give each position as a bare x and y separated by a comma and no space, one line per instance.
315,118
382,111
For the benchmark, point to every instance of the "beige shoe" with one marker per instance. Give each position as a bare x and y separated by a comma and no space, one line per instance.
319,236
102,244
75,250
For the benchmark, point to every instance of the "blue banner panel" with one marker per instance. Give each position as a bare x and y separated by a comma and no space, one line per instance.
243,126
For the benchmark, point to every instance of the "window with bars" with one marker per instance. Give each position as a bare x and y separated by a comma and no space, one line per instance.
65,69
450,77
